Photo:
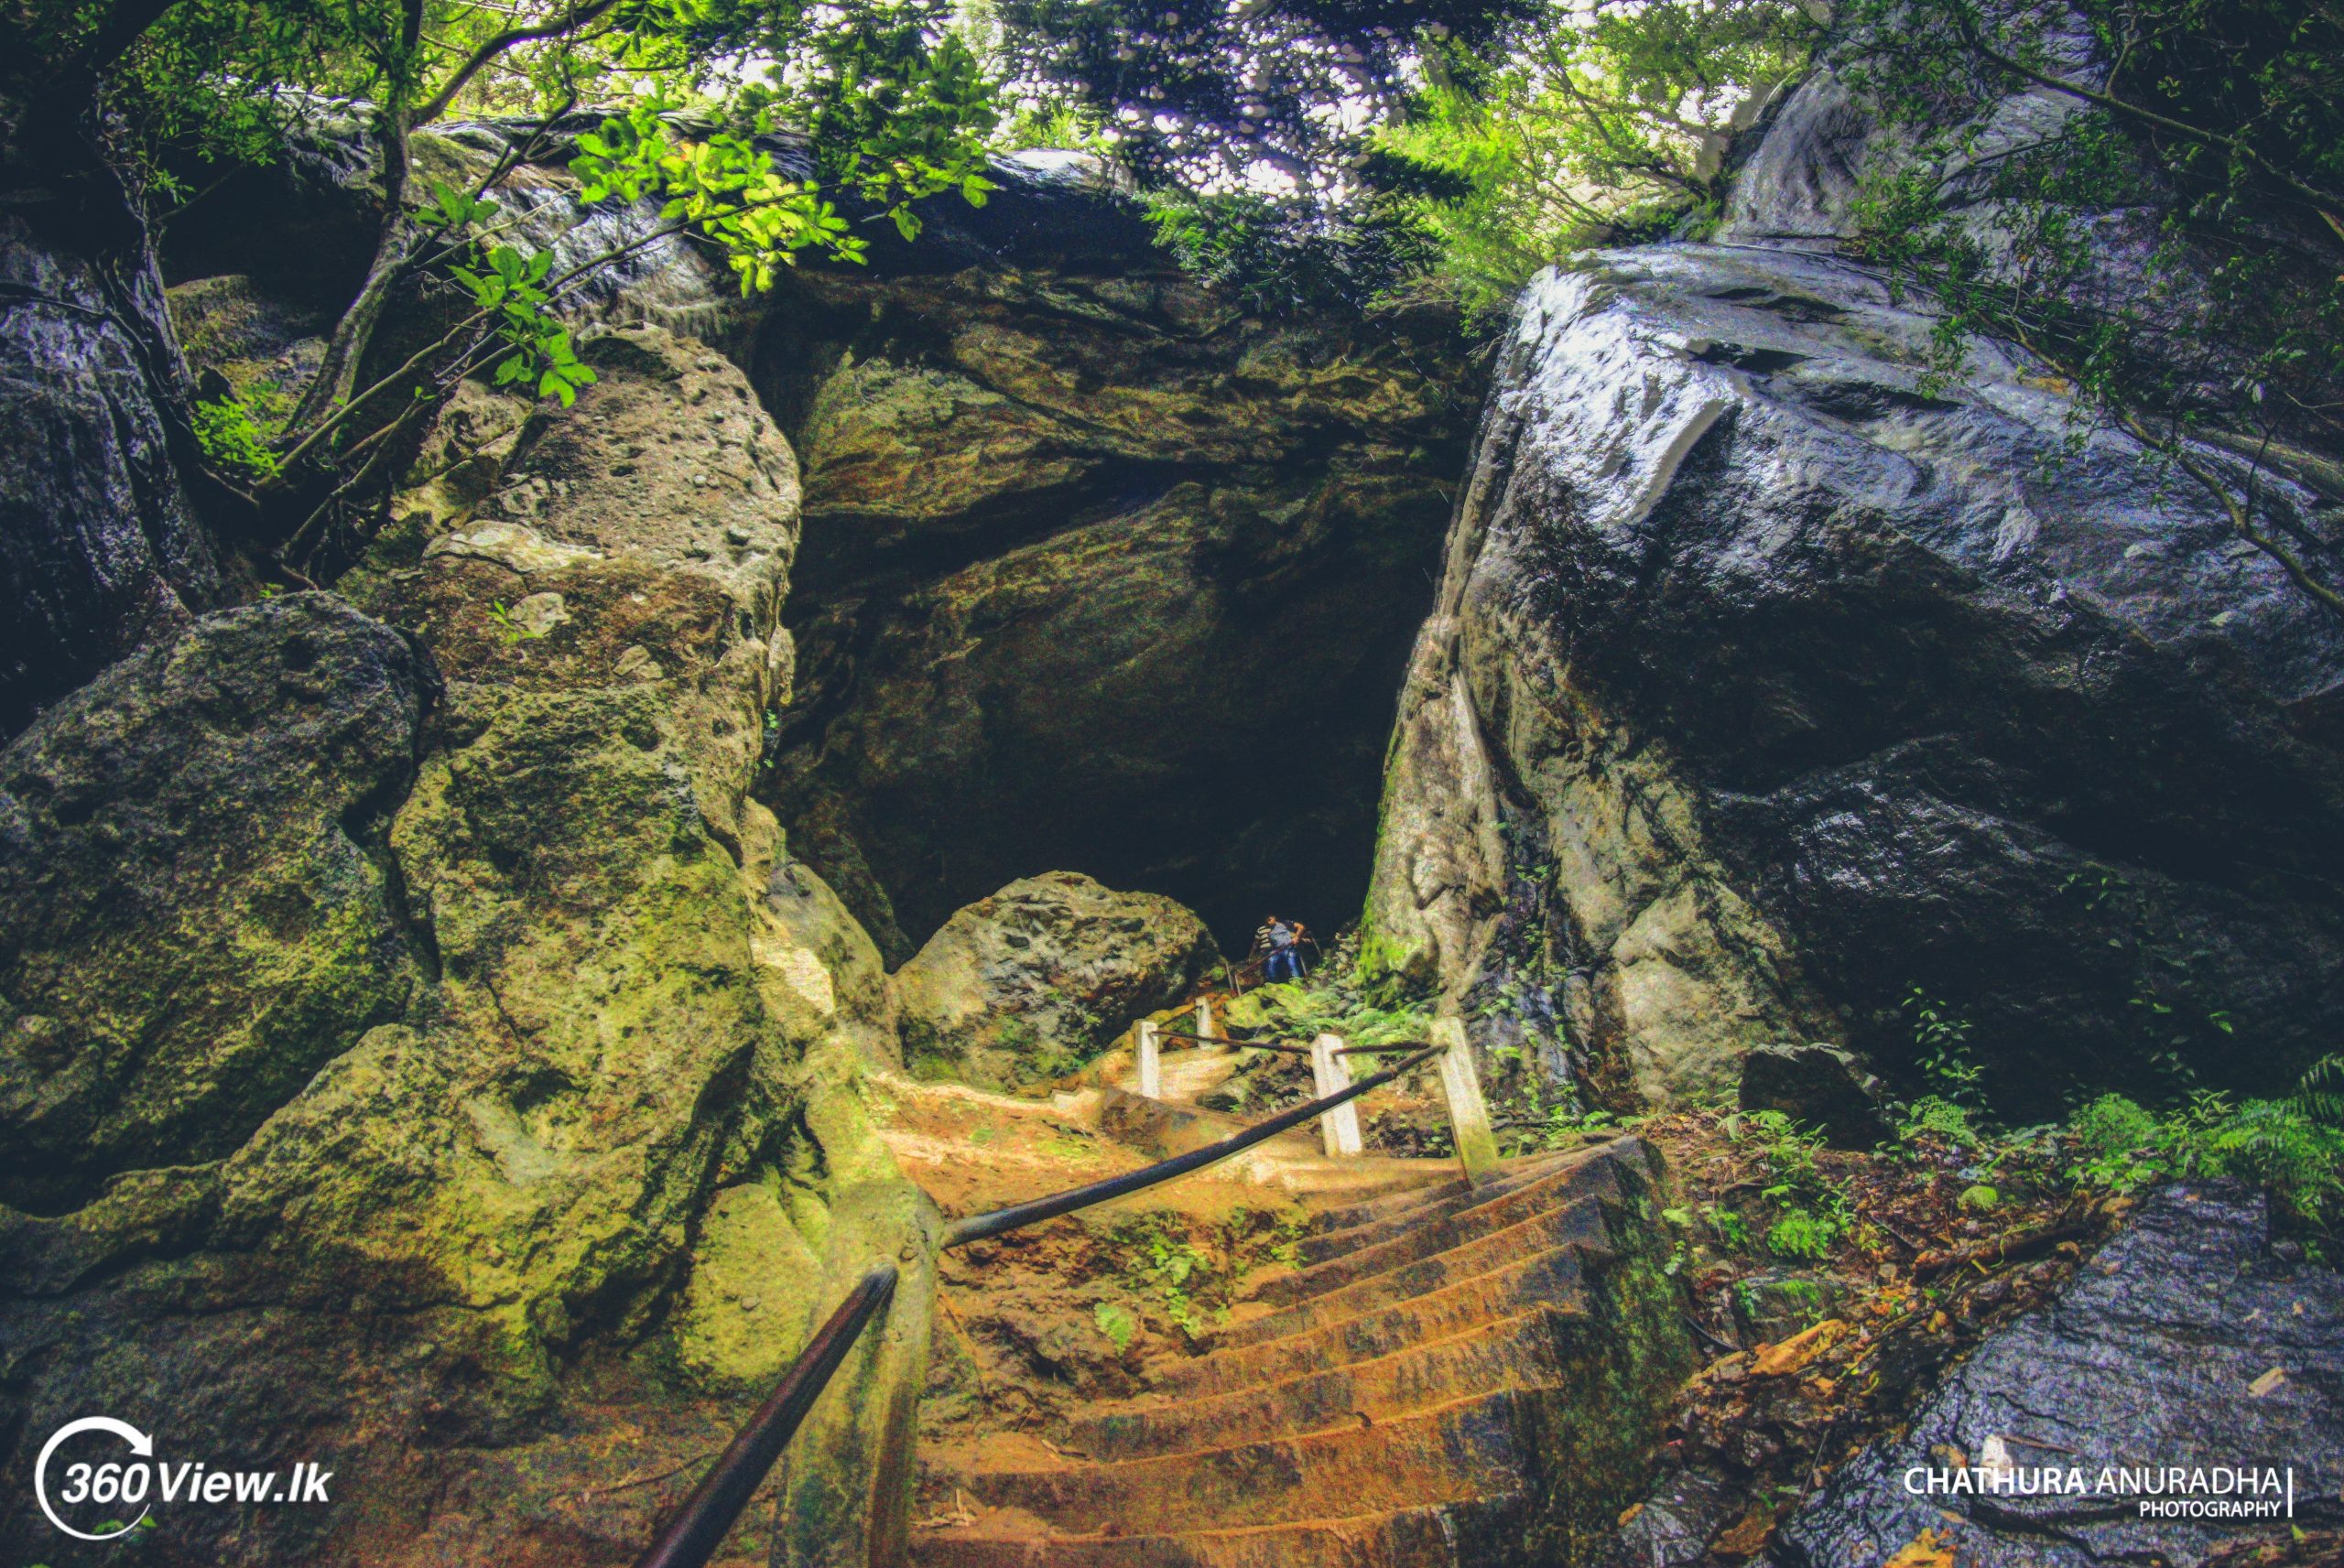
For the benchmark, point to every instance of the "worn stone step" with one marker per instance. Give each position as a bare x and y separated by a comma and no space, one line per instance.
1585,1179
1434,1537
1363,1224
1457,1452
1552,1278
1580,1225
1530,1349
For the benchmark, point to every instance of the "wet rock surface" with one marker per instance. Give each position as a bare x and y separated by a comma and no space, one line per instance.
1819,1086
1766,684
100,548
2161,1352
1042,976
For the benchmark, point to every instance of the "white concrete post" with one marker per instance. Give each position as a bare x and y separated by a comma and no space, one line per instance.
1339,1128
1151,1061
1469,1113
1204,1017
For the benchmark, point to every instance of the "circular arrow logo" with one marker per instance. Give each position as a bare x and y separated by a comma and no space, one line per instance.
140,1445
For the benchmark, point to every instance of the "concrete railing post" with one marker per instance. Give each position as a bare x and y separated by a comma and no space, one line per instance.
1151,1061
1339,1128
1469,1113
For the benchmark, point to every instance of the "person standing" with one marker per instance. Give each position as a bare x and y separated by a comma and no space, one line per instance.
1280,939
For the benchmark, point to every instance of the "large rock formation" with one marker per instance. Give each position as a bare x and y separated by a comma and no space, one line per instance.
1769,682
2184,1343
1102,570
100,548
388,1102
1042,976
195,911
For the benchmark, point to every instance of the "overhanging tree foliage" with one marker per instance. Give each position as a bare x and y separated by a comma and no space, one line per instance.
2173,246
898,108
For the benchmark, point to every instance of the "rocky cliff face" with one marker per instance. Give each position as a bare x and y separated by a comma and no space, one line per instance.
1103,572
412,1025
1768,683
100,547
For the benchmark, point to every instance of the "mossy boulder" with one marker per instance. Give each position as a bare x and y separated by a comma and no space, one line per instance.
1043,975
195,914
547,1051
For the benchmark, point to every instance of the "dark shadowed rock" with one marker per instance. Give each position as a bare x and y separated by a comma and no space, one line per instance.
1820,1087
1041,976
2161,1352
194,911
99,546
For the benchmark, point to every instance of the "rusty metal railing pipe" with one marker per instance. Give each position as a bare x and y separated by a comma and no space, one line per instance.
1387,1050
1222,1040
980,1226
698,1528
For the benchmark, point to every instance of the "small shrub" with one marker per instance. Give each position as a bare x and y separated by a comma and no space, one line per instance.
1932,1115
1942,1048
1729,1228
1802,1236
2114,1125
1117,1323
232,441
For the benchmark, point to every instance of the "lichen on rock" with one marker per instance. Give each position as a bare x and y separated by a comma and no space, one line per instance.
1037,979
194,909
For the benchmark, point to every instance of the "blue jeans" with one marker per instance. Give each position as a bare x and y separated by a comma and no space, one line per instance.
1285,964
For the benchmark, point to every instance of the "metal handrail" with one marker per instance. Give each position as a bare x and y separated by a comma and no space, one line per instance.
1247,1044
699,1526
978,1227
708,1515
1386,1050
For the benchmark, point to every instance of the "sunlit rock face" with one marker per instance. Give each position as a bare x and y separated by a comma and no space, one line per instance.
417,1049
1767,683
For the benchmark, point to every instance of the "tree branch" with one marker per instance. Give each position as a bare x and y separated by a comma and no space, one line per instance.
2324,202
123,27
511,37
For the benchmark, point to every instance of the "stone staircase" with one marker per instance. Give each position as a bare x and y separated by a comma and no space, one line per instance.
1456,1377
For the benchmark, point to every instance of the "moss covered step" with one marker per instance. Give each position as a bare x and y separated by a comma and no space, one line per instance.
1465,1449
1335,1231
1546,1193
1399,1538
1478,1381
1534,1238
1532,1348
1464,1307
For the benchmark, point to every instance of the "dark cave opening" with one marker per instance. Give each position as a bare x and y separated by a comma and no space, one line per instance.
1127,590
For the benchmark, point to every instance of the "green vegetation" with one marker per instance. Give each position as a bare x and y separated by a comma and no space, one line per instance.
898,107
1325,1004
232,441
1598,122
2219,125
2294,1145
1812,1211
508,630
1117,1323
1187,1273
1941,1050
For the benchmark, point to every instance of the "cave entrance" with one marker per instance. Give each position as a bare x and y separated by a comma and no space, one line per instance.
1100,573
